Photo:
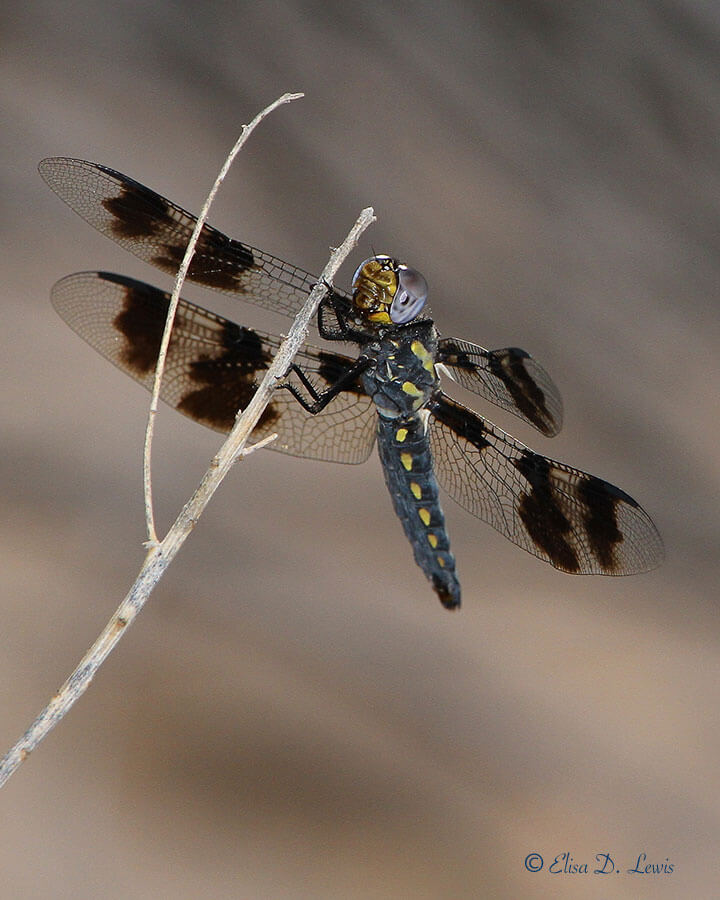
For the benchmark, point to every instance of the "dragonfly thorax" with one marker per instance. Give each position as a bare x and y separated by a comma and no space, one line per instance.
403,379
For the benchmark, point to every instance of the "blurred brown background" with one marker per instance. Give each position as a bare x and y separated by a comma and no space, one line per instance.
294,715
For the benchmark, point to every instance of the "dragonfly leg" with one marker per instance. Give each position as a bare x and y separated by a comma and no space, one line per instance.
320,399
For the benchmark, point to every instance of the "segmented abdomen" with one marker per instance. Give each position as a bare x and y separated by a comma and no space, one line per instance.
408,468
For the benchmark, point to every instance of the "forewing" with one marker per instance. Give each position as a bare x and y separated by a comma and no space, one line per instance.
213,365
157,231
510,378
575,521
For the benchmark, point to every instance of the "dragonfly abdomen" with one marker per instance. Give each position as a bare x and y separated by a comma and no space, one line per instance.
404,451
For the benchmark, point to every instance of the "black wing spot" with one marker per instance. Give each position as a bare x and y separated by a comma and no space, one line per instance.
226,383
138,212
601,499
541,514
219,261
219,408
454,356
141,322
509,367
463,422
141,214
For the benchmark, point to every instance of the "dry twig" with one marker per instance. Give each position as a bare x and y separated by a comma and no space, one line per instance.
175,299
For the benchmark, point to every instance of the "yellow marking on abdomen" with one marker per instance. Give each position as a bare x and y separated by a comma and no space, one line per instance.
424,515
441,562
401,434
432,540
407,461
416,490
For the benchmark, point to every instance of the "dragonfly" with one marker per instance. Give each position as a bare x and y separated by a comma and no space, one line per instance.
335,407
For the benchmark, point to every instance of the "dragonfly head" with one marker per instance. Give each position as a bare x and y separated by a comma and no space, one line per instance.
387,292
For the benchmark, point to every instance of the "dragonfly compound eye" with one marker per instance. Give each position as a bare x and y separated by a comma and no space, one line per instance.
410,296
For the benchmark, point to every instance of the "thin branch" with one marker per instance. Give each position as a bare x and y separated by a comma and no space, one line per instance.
161,555
175,299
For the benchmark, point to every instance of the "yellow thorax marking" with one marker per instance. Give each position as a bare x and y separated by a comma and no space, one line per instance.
420,350
411,389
